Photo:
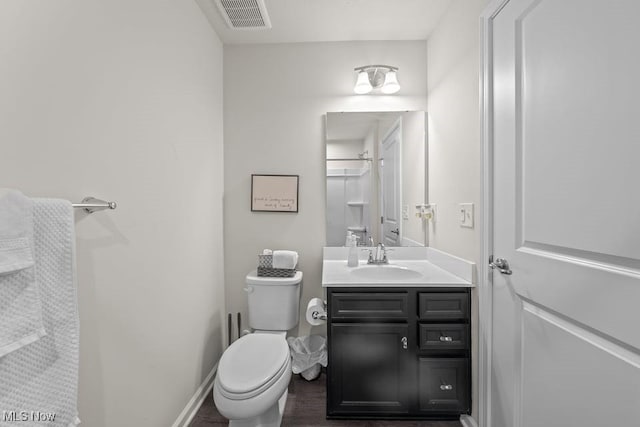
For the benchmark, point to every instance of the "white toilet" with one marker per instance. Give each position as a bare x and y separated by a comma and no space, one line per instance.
250,388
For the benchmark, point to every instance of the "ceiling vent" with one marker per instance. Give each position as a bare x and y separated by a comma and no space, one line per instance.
244,14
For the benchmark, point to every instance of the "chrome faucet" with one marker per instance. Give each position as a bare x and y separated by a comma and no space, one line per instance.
380,256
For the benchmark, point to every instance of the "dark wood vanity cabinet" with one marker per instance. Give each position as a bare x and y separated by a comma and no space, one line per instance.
398,353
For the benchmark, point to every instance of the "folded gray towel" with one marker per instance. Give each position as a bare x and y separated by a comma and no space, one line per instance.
285,259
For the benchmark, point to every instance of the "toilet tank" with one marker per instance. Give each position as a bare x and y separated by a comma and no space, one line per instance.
274,302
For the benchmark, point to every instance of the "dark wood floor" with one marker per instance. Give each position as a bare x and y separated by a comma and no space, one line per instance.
306,407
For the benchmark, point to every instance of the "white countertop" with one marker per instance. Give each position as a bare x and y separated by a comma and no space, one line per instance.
419,270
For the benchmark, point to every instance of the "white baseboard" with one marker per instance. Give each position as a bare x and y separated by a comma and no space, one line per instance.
189,411
468,421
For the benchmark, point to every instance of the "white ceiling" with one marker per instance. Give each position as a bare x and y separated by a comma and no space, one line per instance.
296,21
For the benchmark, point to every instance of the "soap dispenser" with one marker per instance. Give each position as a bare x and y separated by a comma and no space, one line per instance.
352,260
347,240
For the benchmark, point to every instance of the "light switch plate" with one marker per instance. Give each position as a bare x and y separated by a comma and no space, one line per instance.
466,215
405,212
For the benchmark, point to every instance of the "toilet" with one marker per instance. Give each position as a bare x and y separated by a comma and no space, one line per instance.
253,374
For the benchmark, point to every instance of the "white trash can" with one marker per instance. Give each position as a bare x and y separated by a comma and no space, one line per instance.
308,353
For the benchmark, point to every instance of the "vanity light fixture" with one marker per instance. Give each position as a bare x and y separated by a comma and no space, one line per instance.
383,77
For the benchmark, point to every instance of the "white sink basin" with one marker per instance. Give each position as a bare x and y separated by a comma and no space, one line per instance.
385,272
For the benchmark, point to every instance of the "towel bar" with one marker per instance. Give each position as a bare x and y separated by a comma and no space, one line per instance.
91,204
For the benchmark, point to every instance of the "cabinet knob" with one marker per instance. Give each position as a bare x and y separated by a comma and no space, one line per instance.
404,342
446,387
445,338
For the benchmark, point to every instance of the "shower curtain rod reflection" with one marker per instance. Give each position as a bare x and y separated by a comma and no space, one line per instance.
91,204
361,156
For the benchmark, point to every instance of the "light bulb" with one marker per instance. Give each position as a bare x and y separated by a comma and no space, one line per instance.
390,84
362,84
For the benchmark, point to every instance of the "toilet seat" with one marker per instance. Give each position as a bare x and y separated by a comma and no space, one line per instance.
252,365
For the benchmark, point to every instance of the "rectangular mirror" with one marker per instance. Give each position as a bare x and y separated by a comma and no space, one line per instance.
376,173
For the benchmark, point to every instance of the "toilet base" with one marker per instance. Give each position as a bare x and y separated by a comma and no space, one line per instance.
272,417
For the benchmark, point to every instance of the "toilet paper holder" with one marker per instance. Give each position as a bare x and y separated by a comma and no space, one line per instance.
317,315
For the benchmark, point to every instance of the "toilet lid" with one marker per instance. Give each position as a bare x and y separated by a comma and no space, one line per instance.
252,362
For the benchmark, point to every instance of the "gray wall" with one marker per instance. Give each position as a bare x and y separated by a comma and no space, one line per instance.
453,51
454,126
122,99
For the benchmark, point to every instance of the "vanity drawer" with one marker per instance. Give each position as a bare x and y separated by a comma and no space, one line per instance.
444,385
369,305
444,337
443,306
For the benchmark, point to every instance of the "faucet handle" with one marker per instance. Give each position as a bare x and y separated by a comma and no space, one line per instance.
370,260
385,260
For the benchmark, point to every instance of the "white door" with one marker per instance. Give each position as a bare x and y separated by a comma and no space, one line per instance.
566,214
390,185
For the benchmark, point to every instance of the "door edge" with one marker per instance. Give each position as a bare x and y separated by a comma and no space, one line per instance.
485,283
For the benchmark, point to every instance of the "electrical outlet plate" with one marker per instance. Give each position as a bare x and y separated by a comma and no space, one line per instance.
466,215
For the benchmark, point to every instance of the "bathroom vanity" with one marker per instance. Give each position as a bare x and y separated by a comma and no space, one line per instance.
399,337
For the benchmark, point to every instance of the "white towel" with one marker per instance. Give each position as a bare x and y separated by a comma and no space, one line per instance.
20,307
285,259
43,376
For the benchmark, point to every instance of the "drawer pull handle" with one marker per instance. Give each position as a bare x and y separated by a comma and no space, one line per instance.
404,342
445,338
445,387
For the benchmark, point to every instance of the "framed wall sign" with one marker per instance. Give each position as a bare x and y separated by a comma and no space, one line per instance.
274,193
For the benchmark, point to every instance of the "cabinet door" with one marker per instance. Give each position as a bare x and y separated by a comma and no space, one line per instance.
444,384
369,369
